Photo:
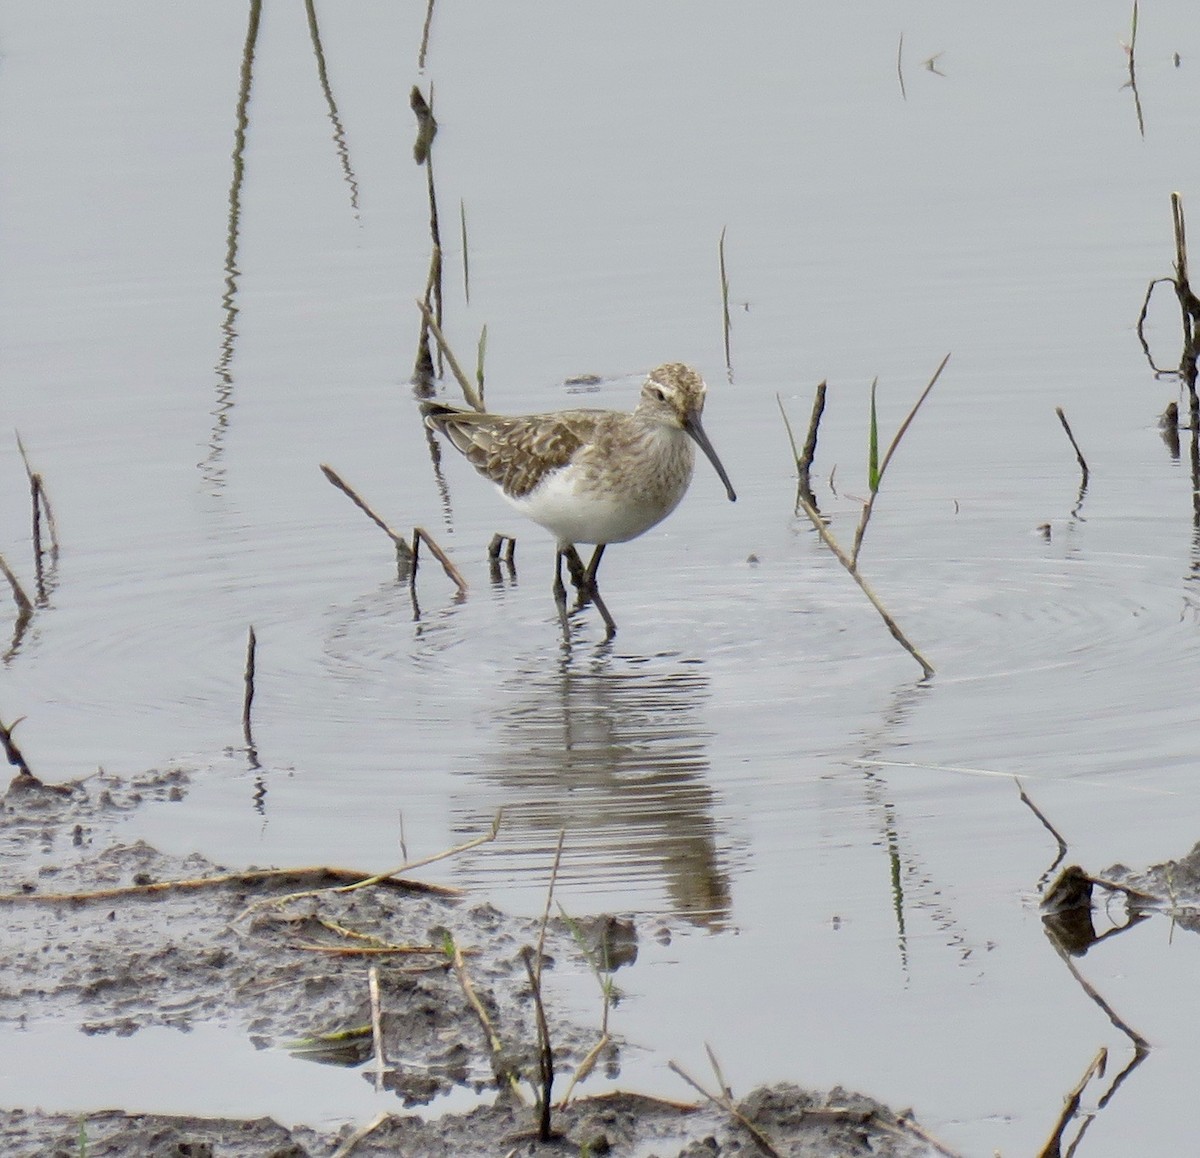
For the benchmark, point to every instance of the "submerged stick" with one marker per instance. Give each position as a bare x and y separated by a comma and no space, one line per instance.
1083,466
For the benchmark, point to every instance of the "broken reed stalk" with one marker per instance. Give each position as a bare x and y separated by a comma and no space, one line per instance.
11,752
1062,844
533,966
41,504
420,535
406,554
819,523
401,543
495,1046
469,391
347,1147
24,606
1083,466
250,878
248,695
804,458
724,298
545,1051
425,36
1095,1069
724,1101
376,1025
877,479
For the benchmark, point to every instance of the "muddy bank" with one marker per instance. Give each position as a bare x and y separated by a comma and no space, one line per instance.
116,936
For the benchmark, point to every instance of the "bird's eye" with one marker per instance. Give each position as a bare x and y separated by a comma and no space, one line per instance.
657,392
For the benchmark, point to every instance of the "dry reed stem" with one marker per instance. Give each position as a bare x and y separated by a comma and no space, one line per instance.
248,696
495,1045
900,66
24,607
545,1051
12,753
869,506
344,1150
1053,1146
469,391
376,1026
1062,844
849,565
1083,466
253,877
402,545
420,535
725,1102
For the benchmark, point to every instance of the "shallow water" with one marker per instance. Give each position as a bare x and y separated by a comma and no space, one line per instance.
841,844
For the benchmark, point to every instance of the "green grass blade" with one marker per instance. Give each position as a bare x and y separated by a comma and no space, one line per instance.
873,473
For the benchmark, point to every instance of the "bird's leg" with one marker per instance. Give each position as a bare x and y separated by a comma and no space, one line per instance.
574,566
589,592
560,591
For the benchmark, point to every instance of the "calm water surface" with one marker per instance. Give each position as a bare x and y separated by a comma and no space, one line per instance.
838,847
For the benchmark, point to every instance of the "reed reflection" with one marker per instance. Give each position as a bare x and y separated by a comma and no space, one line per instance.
613,749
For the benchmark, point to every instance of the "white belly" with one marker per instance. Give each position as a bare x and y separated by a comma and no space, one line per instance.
574,513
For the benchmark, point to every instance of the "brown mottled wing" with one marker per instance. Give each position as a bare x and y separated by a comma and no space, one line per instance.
514,452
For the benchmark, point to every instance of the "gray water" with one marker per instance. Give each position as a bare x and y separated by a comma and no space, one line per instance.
838,846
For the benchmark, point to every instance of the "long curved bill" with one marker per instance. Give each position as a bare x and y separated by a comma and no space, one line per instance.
693,427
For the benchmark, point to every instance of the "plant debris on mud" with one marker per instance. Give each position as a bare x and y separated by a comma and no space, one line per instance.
118,936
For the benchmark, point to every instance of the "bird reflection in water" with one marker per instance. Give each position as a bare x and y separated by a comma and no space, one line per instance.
611,749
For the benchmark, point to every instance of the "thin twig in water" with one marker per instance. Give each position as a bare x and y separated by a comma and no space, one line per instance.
420,535
1062,844
1083,466
401,543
